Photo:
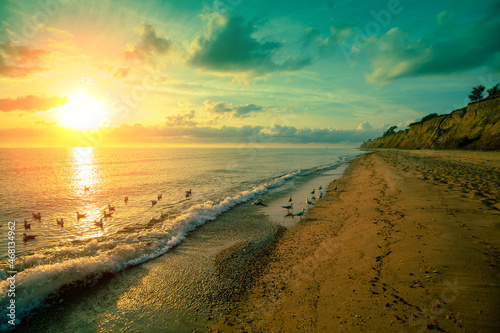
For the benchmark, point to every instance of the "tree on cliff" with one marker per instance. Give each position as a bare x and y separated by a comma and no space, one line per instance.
429,117
494,91
477,93
390,131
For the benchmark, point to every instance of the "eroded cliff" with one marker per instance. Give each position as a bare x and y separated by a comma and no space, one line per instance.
475,127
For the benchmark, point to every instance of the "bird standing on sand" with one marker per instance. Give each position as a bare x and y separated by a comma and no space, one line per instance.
27,225
335,188
290,199
60,222
126,199
288,207
107,214
188,193
259,202
37,216
308,202
153,202
80,216
301,213
313,191
321,195
160,196
110,208
320,188
28,237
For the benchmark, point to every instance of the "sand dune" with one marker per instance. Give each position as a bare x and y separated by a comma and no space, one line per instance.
408,244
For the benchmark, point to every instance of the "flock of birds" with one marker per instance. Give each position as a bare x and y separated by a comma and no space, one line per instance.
106,213
289,207
111,209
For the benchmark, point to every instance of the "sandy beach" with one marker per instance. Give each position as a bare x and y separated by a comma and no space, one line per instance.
408,242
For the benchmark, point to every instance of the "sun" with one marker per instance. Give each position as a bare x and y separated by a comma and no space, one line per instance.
82,112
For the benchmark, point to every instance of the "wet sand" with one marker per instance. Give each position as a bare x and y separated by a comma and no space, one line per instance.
408,244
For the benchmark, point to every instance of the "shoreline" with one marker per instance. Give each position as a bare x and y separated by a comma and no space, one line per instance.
409,243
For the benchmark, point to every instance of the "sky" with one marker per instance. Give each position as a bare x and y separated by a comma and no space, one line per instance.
233,72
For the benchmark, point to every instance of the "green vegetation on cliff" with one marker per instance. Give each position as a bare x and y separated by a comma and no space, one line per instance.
475,127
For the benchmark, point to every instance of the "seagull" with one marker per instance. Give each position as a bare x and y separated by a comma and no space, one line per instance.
28,237
320,188
99,223
313,191
334,180
27,225
308,202
301,213
290,199
87,188
160,196
126,199
361,163
107,214
37,216
321,195
153,202
188,193
259,202
335,188
290,206
79,216
110,208
60,222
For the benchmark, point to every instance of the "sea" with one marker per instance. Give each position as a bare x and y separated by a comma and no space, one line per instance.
157,264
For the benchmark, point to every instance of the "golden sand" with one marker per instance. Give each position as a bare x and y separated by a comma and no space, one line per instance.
408,244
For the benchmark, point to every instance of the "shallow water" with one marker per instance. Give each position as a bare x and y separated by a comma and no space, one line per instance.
79,253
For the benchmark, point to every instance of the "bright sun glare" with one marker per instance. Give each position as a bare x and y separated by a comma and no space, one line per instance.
82,112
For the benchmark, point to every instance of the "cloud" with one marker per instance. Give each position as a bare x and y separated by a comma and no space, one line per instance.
64,40
217,107
224,109
447,50
338,35
244,110
120,73
169,134
364,126
46,123
182,120
150,46
31,103
230,48
17,61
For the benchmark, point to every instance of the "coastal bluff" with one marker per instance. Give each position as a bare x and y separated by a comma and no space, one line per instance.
476,126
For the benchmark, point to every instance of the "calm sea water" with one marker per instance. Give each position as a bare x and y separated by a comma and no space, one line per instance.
53,181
